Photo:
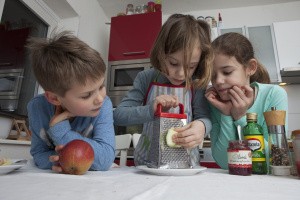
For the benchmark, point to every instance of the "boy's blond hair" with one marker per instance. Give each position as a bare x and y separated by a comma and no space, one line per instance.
63,60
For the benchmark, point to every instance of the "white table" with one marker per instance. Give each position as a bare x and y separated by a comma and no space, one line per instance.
30,183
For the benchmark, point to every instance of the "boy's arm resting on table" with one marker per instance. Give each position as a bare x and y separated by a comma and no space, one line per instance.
131,110
102,141
41,152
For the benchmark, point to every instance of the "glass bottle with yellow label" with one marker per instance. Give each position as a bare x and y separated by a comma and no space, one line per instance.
254,135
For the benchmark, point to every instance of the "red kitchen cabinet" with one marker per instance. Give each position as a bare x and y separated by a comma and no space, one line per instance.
12,47
132,36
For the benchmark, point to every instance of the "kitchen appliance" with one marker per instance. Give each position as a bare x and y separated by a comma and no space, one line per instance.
10,85
121,75
290,75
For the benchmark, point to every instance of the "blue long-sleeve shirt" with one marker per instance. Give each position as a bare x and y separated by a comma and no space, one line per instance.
97,131
225,128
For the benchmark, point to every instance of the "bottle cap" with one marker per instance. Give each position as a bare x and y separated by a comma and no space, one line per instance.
251,116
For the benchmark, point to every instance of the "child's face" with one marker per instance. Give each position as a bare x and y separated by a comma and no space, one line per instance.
228,72
84,100
174,65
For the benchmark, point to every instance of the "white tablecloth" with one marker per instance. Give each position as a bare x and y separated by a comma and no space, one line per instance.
30,183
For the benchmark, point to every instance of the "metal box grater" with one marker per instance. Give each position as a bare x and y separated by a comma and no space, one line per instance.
160,154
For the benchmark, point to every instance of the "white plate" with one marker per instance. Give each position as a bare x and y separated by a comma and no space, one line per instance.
4,169
171,172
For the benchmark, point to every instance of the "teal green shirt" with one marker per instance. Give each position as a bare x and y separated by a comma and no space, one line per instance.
224,128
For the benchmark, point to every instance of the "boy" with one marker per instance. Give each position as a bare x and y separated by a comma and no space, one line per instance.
74,105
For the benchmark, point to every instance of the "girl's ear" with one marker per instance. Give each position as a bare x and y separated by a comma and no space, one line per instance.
52,98
252,67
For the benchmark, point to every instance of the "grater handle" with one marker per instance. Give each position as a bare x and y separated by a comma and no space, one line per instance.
181,108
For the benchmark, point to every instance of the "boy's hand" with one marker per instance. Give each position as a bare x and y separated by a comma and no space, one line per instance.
167,102
191,135
55,159
60,115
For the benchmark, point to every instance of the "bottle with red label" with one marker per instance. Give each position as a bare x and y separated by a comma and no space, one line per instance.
254,135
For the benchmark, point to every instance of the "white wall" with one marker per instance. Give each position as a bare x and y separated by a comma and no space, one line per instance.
258,16
93,30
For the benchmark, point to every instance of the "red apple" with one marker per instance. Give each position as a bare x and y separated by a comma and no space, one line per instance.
76,157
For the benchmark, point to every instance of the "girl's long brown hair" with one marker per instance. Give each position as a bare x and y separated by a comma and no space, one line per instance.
237,45
183,32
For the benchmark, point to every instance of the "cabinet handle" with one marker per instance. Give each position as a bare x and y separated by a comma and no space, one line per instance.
134,53
6,64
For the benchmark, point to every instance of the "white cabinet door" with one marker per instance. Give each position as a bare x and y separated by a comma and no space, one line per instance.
261,38
287,37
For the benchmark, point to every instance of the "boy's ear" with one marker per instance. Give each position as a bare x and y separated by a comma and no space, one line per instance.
252,67
52,98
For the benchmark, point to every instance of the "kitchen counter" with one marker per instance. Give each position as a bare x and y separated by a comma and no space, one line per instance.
32,183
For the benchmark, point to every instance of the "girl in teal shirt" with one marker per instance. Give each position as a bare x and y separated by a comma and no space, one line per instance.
240,84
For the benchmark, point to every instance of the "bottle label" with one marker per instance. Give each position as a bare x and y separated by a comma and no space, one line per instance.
239,158
256,144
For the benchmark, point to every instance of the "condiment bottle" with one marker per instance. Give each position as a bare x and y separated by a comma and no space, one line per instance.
254,135
280,162
220,21
239,158
157,6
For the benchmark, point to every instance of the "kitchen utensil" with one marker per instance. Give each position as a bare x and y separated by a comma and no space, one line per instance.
160,154
239,130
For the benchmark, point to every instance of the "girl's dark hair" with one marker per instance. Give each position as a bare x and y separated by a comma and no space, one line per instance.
183,32
237,45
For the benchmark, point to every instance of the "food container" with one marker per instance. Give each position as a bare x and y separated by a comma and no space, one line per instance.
279,154
239,158
296,148
5,127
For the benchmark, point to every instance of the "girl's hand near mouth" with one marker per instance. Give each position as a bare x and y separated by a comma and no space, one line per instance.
213,97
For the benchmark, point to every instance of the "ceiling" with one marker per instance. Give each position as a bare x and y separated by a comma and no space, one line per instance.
113,7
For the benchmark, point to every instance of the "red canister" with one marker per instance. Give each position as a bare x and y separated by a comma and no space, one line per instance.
239,158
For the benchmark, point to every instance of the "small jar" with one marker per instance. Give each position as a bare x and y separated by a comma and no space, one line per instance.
144,8
129,9
208,19
138,9
239,158
151,6
296,158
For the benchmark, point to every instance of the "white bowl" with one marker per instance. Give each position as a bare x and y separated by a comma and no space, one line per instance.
5,126
281,170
